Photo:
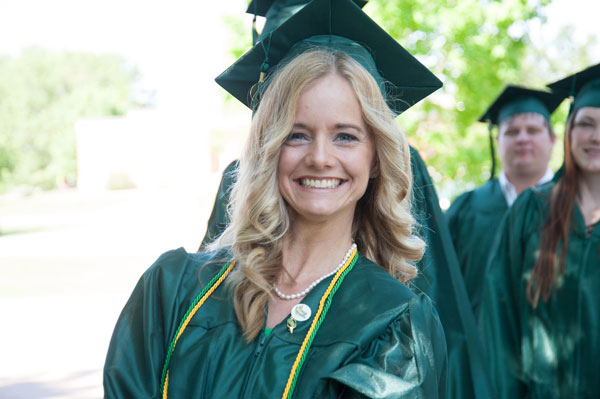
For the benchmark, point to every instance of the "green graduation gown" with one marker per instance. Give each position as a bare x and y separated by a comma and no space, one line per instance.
473,220
378,340
551,351
439,278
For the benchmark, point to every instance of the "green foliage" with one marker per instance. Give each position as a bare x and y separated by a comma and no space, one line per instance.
42,94
475,47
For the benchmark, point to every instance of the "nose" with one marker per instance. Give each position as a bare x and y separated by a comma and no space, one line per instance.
596,134
320,154
522,135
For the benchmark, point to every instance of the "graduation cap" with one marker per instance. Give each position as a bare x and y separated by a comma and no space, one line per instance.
516,100
261,7
335,25
277,12
582,87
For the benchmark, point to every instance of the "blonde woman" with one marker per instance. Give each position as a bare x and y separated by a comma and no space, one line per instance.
305,294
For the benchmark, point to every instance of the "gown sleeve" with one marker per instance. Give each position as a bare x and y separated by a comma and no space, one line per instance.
407,361
499,318
137,350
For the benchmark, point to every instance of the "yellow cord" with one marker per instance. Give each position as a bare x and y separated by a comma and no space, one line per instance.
314,323
192,313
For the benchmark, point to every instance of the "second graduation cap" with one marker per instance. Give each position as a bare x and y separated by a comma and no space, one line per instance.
583,87
407,80
519,100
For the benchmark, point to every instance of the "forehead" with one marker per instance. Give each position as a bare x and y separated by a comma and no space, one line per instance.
593,112
527,119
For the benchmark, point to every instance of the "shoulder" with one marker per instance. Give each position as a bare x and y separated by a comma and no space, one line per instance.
531,207
481,198
533,200
177,269
371,301
383,289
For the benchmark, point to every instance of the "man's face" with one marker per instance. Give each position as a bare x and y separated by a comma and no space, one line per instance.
525,145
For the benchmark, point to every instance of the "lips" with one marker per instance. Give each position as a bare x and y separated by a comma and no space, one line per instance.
592,152
319,183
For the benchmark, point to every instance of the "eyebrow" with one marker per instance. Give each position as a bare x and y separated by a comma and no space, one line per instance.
337,126
584,118
348,126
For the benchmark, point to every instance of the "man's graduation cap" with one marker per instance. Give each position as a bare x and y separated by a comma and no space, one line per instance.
582,87
335,25
516,100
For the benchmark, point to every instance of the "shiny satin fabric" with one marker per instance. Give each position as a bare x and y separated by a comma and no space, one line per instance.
439,278
378,340
474,218
551,351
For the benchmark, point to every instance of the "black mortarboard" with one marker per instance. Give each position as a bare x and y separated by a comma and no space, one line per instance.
583,87
407,80
516,100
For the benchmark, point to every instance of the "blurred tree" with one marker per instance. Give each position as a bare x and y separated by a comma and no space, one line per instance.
476,47
42,94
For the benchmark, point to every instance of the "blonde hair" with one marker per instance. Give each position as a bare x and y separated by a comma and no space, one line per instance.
383,224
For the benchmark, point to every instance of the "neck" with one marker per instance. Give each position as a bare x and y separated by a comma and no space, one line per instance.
588,197
523,182
312,250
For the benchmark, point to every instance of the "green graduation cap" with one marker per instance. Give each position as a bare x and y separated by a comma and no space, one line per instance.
516,100
336,25
261,7
519,100
583,87
277,12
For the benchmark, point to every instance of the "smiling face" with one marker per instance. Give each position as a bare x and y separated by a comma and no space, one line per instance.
585,140
327,159
525,145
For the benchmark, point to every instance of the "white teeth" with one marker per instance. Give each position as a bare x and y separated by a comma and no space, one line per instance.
325,183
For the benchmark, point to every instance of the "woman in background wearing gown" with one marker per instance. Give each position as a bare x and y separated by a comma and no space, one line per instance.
540,314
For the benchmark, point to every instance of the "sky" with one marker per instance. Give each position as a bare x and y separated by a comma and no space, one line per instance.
180,44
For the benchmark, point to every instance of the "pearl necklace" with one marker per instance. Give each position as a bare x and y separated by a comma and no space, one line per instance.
317,281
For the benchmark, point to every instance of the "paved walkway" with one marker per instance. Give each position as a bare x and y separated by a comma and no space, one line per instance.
68,263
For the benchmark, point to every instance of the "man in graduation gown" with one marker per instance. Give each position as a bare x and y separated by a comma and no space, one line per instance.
525,141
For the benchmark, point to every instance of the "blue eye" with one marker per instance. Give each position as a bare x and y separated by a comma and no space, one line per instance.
295,137
346,137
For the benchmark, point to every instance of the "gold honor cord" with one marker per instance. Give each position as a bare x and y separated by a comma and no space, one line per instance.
196,304
312,331
316,323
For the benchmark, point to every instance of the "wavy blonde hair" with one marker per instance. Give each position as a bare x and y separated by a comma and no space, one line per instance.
383,224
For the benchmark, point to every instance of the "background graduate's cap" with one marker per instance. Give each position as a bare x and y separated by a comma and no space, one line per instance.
277,12
583,88
262,7
516,100
334,25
